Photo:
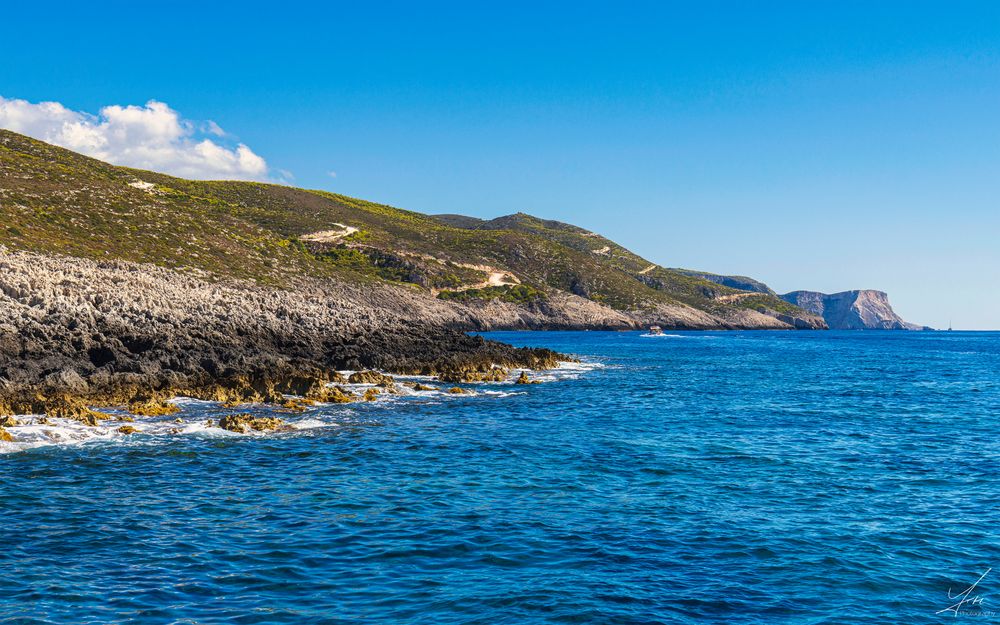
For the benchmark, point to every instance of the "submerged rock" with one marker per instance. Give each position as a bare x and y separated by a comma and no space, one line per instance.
371,394
422,387
5,436
524,379
457,390
126,429
297,404
244,423
8,422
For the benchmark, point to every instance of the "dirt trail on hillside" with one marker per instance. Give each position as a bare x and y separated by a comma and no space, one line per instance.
735,297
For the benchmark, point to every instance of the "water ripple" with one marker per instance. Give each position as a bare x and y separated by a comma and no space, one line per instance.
750,478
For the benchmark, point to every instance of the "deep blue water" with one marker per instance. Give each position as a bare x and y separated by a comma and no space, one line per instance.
751,477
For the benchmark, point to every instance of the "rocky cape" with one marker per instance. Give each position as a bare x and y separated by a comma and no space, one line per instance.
864,309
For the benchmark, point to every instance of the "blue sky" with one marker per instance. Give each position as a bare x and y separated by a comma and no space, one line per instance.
823,146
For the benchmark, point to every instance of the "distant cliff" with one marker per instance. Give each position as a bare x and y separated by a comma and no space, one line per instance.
863,309
742,283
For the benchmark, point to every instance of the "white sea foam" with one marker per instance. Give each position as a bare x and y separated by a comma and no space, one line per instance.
583,365
504,393
311,424
687,337
566,370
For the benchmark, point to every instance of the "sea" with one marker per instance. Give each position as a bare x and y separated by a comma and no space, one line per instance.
695,477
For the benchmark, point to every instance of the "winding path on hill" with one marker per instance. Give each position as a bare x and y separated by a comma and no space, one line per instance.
330,236
735,296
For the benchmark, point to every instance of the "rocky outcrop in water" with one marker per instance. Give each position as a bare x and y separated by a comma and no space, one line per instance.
863,309
243,423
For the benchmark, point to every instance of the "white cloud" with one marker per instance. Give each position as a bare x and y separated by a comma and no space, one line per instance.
152,137
332,174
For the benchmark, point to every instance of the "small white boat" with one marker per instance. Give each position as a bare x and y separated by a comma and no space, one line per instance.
655,331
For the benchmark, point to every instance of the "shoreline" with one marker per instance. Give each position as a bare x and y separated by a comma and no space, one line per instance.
342,399
75,333
78,333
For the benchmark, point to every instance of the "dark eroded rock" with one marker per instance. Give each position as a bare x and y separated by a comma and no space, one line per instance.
524,379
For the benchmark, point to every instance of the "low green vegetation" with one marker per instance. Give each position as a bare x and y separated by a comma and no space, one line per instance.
517,294
766,302
360,262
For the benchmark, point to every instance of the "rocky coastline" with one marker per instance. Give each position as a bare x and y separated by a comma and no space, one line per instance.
78,334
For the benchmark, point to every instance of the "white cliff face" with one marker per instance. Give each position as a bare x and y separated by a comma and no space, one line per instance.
864,309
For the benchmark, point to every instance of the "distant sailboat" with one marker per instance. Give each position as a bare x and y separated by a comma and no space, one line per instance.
949,325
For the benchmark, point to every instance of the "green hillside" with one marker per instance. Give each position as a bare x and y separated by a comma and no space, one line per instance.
679,284
55,201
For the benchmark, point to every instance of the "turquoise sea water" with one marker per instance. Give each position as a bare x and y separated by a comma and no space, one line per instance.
746,477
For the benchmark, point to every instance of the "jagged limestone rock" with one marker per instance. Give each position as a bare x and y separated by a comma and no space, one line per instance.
371,377
496,374
153,408
244,423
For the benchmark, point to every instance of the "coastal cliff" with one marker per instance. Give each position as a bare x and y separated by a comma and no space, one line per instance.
864,309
